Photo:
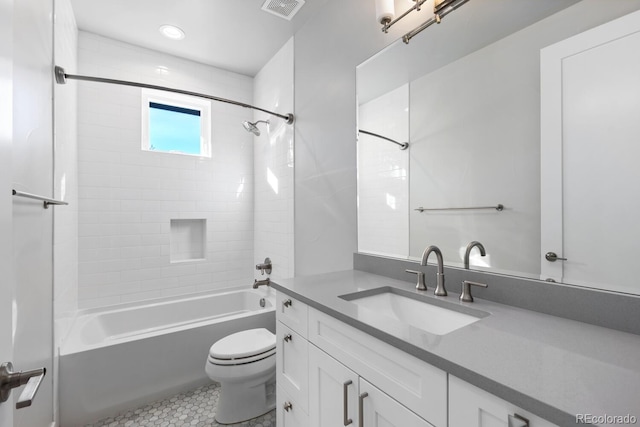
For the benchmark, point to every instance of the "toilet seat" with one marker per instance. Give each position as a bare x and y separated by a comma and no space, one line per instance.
243,347
242,360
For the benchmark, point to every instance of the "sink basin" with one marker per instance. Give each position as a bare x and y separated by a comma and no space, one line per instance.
433,316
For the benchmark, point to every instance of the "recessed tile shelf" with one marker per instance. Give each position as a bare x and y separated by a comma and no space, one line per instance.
188,237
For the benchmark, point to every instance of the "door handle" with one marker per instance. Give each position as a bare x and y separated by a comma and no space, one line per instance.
516,420
10,380
553,257
288,338
361,408
345,402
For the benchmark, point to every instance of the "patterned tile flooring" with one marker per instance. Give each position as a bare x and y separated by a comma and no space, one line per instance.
195,408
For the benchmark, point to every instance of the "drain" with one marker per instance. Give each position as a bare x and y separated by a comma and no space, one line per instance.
262,302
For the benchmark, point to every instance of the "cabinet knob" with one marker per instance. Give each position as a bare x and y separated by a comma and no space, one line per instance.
288,406
288,338
516,420
287,303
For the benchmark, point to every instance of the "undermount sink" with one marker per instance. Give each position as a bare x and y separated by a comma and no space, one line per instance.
433,316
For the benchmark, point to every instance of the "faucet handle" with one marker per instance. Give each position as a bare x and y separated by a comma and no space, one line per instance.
421,285
465,296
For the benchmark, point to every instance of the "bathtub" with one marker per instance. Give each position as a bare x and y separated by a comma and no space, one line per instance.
129,355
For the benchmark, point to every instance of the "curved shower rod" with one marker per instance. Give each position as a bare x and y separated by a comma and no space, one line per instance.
61,78
403,145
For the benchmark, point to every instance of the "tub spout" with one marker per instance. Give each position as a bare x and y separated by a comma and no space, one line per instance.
257,283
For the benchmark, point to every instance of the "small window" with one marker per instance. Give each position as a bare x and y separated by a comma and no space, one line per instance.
174,123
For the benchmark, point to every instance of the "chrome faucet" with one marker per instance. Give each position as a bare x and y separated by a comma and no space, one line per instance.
258,283
468,251
440,289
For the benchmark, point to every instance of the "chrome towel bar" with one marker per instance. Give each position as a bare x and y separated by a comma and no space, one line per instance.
47,201
499,207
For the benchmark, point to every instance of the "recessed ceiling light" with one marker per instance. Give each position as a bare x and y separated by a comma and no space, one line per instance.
172,32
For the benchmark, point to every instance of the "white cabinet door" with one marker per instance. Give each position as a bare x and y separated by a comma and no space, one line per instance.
292,363
419,386
288,412
380,410
292,313
333,391
470,406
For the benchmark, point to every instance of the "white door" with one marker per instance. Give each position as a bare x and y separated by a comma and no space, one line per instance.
26,149
590,178
333,391
6,249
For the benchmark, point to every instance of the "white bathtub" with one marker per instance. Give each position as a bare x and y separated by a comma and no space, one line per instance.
117,359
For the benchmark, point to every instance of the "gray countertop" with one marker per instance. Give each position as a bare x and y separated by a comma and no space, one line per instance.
552,367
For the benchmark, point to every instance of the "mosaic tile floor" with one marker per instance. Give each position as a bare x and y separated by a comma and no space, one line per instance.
195,408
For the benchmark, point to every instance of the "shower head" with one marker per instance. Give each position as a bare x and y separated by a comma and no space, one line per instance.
253,127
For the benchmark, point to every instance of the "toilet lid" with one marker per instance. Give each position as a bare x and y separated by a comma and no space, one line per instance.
243,344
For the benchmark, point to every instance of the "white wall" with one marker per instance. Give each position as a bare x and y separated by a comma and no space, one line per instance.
327,50
273,166
383,175
128,197
65,231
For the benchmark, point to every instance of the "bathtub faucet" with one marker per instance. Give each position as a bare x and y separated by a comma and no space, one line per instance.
258,283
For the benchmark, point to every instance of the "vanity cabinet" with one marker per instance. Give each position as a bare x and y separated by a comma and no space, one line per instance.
470,406
330,373
321,360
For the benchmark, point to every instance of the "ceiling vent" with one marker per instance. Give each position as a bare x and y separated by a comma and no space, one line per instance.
283,8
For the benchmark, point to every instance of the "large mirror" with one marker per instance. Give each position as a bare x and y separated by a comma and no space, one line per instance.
532,106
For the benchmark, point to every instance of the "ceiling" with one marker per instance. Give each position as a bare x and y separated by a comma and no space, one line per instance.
235,35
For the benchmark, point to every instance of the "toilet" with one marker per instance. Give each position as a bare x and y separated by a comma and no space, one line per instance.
244,364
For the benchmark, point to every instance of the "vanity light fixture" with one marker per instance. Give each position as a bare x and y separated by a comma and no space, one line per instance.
171,32
441,8
385,12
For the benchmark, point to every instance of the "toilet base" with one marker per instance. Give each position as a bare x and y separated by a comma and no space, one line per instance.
239,402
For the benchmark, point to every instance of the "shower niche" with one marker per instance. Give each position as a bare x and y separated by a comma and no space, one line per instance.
188,237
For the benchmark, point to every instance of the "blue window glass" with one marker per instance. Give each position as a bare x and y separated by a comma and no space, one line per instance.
174,129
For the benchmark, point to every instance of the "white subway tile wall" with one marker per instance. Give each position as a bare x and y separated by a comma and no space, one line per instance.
128,197
273,166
